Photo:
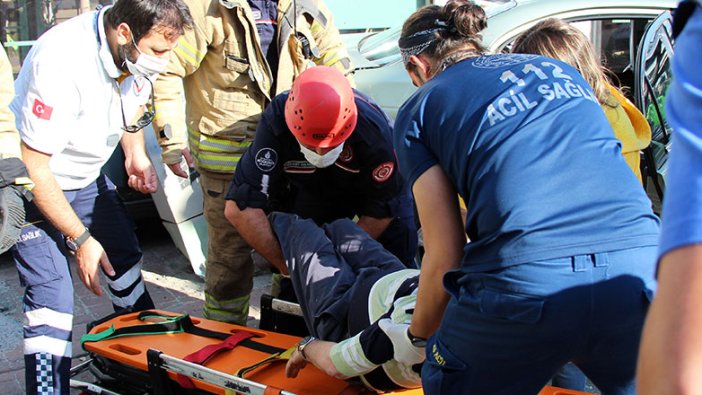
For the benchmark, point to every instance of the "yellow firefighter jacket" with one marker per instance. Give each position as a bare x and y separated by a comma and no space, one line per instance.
218,80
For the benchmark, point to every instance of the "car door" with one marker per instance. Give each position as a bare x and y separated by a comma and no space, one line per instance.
652,71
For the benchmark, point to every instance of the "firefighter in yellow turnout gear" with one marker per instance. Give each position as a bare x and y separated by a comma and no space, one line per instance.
239,55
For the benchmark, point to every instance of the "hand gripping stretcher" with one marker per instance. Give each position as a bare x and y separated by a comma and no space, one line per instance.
159,352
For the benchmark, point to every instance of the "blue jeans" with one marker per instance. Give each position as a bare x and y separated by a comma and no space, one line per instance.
508,331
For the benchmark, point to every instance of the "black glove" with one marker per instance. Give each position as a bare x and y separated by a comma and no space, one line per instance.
11,217
14,189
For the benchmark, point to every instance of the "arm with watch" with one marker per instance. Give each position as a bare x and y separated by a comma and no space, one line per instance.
315,351
50,200
389,341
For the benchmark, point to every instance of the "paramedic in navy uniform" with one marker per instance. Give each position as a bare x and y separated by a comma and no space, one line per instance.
322,151
79,94
560,263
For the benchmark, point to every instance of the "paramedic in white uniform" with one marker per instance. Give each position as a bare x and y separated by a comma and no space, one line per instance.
81,91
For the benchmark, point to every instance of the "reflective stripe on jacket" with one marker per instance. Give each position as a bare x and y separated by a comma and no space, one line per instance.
219,70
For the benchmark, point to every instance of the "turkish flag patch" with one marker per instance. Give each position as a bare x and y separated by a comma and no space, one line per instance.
383,172
41,110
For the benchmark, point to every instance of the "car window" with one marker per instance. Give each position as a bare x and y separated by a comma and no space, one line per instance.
613,43
653,69
615,40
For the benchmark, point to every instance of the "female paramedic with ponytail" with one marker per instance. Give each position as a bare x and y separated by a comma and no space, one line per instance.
560,263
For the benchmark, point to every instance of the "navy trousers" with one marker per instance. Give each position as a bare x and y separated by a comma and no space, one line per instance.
42,262
508,331
332,269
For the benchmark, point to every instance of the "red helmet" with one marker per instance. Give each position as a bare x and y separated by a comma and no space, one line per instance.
321,110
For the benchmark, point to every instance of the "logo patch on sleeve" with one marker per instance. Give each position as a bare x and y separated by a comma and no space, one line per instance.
266,159
41,110
383,171
346,155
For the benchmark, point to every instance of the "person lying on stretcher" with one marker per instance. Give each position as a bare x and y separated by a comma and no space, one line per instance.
357,300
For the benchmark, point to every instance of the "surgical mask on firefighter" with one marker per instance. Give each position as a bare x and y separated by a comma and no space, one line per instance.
322,161
146,65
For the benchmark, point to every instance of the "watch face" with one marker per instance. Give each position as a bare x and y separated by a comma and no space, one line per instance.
71,245
305,341
419,342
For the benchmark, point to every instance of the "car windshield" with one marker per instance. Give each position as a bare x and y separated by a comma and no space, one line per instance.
382,47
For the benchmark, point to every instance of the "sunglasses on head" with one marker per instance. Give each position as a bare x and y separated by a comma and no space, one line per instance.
145,119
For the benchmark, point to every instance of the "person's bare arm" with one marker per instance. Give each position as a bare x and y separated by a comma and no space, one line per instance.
373,226
319,354
670,359
252,224
50,200
443,245
140,171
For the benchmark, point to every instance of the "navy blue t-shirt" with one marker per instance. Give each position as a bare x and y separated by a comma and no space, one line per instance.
528,147
273,174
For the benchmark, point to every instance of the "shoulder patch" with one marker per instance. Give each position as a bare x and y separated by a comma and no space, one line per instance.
346,155
383,171
266,159
41,110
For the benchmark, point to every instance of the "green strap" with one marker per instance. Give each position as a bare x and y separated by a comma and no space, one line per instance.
165,326
171,324
96,337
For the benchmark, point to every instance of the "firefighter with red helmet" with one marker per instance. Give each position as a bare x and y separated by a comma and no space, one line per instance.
322,151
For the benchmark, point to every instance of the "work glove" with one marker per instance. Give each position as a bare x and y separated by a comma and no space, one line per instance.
14,186
404,351
11,217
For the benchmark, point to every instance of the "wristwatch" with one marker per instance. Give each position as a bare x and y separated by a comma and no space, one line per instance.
416,340
302,344
74,244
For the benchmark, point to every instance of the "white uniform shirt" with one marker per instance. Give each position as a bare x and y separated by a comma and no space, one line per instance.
67,102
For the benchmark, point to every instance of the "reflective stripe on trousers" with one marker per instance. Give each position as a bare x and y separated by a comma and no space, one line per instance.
234,310
41,260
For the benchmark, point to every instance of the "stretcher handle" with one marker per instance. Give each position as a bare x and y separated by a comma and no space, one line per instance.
159,363
93,324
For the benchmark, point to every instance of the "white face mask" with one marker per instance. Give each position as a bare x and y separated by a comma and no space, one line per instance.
322,161
146,65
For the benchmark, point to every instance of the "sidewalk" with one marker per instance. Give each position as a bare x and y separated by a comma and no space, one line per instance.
170,280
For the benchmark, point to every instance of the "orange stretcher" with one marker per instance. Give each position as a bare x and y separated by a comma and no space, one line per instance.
139,362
